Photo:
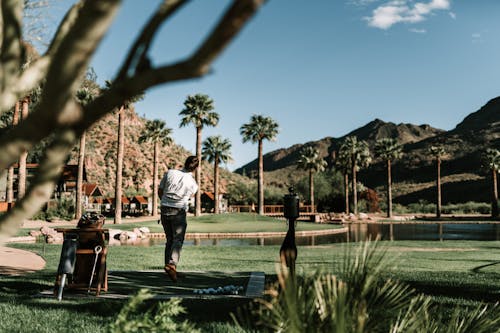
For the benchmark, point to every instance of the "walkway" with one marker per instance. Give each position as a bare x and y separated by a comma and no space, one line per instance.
18,262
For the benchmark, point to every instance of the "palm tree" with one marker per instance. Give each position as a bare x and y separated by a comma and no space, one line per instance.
310,160
388,150
10,172
360,157
198,110
21,173
84,96
258,129
119,155
491,159
155,132
438,152
216,150
343,164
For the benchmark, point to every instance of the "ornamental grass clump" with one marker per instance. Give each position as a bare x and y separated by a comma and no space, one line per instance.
358,299
138,315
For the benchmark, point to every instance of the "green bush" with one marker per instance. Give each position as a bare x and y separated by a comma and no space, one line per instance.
424,207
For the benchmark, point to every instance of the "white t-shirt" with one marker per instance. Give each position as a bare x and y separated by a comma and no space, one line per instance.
178,187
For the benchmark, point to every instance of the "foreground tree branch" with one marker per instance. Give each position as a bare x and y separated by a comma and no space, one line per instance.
64,65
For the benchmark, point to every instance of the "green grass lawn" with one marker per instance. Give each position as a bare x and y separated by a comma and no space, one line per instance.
452,272
233,223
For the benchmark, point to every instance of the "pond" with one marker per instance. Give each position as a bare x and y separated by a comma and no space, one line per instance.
425,231
359,232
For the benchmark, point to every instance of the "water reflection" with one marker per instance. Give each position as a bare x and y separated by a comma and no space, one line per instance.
357,232
428,231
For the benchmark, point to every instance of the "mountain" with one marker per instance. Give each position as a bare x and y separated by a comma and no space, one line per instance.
414,174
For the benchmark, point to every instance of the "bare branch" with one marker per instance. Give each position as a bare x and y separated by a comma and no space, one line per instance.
42,186
56,107
11,52
141,46
197,65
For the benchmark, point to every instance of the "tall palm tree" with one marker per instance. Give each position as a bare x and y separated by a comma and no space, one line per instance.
258,129
10,172
491,159
155,132
21,173
120,153
198,110
360,157
388,150
343,164
84,96
438,152
310,160
216,150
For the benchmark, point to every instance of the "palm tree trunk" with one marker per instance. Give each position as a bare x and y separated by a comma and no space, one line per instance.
346,191
216,184
438,184
10,172
119,167
155,179
21,185
260,184
311,189
494,204
198,173
354,189
389,189
79,179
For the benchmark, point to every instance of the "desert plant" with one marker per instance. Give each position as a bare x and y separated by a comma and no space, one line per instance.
310,161
359,153
438,152
216,150
388,150
259,128
139,316
358,299
198,110
491,160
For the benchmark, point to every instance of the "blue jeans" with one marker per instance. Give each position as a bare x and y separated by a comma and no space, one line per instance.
174,224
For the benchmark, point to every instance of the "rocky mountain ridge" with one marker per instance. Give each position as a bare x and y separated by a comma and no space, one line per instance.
464,146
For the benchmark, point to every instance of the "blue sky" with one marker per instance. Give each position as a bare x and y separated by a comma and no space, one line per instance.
323,67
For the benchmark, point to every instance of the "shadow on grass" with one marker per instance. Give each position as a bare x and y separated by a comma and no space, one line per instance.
478,268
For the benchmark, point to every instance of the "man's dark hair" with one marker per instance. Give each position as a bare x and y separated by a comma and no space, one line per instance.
191,163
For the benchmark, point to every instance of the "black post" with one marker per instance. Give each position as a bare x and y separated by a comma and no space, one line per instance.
288,250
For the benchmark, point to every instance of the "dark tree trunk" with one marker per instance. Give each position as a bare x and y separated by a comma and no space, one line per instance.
260,184
494,204
198,173
21,179
155,179
216,185
346,192
79,179
438,185
119,167
389,189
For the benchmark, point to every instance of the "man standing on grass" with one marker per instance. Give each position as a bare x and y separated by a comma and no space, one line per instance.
175,190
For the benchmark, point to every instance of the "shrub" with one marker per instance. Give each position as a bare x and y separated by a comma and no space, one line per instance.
358,300
139,316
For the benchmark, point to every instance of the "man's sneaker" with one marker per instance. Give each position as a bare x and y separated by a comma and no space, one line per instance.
171,272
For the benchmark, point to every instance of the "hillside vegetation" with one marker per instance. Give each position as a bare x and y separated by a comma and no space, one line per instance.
464,178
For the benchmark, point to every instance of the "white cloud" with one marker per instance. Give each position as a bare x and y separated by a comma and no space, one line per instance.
453,15
361,3
477,37
418,31
404,11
